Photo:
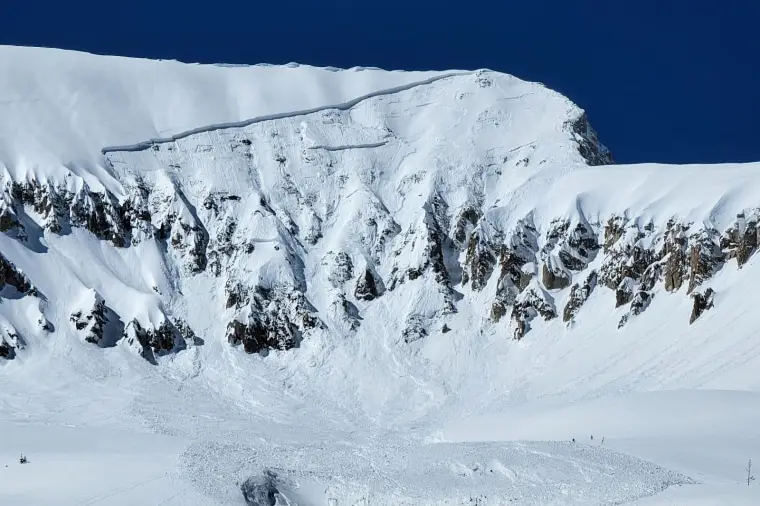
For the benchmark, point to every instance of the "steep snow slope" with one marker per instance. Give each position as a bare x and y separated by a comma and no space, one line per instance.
362,257
64,107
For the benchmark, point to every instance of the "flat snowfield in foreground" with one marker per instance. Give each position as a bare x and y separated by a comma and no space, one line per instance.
74,466
706,435
69,465
648,457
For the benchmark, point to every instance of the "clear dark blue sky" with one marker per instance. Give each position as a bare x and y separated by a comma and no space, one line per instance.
662,80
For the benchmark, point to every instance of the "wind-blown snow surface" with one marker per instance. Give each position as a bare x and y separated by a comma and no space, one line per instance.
161,197
64,107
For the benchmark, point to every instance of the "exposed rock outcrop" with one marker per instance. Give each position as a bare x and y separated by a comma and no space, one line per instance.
92,322
516,262
10,342
580,247
624,292
8,216
479,262
154,341
588,142
741,240
566,249
676,267
579,293
276,318
414,329
341,268
7,351
223,247
424,243
613,231
61,209
237,295
366,288
639,303
465,223
345,315
705,257
192,239
534,301
436,222
10,275
702,302
629,258
554,277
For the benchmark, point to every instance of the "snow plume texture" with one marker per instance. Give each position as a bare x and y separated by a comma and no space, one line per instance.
288,285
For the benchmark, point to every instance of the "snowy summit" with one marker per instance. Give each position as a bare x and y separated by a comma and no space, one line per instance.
276,285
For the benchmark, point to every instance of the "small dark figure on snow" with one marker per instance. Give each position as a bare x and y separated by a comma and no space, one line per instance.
22,459
573,440
592,437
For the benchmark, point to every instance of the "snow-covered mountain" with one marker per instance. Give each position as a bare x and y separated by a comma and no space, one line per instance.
341,251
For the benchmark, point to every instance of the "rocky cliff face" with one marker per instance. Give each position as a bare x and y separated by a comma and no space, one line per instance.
297,228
